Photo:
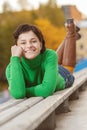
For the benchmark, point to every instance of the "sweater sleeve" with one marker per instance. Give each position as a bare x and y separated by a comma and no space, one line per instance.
50,78
15,78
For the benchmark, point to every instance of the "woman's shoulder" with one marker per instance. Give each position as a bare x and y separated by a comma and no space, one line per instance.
50,52
50,55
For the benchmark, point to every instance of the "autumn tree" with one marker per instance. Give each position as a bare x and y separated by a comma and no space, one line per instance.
52,12
53,35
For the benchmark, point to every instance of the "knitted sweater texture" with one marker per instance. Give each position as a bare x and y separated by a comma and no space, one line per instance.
37,77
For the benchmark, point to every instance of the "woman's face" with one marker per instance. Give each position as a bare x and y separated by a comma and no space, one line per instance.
30,44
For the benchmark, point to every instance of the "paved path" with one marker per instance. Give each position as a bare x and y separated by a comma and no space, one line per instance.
77,118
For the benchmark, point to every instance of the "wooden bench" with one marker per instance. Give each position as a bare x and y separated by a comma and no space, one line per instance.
38,113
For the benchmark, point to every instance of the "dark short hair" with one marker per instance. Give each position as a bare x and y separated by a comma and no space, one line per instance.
28,27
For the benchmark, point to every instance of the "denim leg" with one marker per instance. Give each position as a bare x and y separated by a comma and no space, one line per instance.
69,78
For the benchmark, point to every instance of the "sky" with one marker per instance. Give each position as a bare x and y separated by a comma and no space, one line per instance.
80,4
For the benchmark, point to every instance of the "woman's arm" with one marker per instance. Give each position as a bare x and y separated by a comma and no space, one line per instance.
15,78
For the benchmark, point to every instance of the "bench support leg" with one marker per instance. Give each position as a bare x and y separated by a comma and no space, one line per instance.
49,123
64,107
75,95
82,88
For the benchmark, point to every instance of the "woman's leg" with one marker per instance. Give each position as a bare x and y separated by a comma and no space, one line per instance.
67,50
60,49
68,77
67,53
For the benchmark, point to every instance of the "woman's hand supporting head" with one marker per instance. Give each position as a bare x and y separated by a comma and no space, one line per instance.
16,51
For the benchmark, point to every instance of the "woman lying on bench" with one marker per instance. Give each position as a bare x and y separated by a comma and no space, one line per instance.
33,70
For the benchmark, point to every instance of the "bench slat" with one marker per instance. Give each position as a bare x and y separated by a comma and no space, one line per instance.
30,120
30,113
10,103
80,73
75,86
10,113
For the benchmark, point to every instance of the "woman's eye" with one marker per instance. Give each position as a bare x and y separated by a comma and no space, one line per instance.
23,42
34,41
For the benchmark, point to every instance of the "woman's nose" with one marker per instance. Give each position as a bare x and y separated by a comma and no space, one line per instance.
28,44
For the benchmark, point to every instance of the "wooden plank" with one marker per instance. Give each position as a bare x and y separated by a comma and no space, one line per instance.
10,113
77,83
31,120
10,103
35,115
25,118
80,73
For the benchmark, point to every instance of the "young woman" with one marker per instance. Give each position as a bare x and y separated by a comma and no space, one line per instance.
33,70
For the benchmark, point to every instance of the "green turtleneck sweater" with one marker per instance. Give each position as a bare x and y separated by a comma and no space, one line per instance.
37,77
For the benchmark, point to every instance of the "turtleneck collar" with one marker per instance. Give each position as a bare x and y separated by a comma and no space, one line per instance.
33,63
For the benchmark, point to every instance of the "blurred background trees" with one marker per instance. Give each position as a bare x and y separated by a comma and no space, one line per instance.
48,17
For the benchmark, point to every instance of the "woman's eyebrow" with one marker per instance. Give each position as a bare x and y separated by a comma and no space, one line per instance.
30,39
23,40
33,38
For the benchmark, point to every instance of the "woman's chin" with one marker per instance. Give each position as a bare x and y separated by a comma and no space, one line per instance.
30,57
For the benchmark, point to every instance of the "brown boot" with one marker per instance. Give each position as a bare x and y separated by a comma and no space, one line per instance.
69,55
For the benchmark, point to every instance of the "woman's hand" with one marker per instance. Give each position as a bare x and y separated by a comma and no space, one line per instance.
16,51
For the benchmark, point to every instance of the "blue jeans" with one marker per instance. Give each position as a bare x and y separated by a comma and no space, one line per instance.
69,78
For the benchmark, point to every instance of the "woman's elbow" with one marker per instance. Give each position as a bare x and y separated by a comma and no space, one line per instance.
46,93
18,95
